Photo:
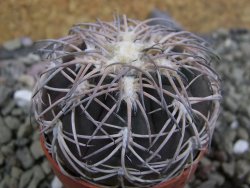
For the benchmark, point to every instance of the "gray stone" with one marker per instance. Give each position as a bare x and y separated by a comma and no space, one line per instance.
206,162
247,180
228,147
230,135
5,134
221,33
45,184
21,142
11,161
38,175
245,47
36,150
24,130
228,116
16,172
228,140
216,164
29,59
229,169
1,159
242,168
228,57
25,178
245,37
16,112
46,167
8,107
1,121
218,178
27,80
8,149
12,122
248,111
12,44
237,74
208,184
242,133
5,92
25,157
220,156
5,183
245,186
13,183
244,121
230,104
237,97
230,44
36,136
238,56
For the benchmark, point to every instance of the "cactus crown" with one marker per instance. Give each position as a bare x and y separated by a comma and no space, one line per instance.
125,103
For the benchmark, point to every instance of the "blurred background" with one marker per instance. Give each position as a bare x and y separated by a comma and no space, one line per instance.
45,19
225,24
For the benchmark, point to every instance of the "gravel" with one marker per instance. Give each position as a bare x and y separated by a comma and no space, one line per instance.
12,44
24,130
36,150
38,175
229,154
1,159
12,122
16,172
228,169
25,157
46,167
25,178
5,134
242,169
227,165
208,183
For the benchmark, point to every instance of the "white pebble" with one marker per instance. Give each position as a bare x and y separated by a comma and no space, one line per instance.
26,41
23,97
56,183
234,124
240,146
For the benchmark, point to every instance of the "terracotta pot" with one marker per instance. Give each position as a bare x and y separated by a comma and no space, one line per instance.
176,182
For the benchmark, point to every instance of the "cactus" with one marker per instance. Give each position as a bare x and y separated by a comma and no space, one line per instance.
125,103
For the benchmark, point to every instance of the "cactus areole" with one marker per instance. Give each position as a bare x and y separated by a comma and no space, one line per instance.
126,103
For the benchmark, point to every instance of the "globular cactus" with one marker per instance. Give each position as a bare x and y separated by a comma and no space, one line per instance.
125,103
